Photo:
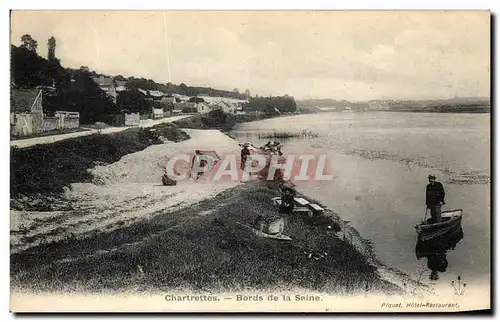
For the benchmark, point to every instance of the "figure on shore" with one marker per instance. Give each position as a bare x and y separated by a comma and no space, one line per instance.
196,160
266,147
168,181
434,198
287,201
245,152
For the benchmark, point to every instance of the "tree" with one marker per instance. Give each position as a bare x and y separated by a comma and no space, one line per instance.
134,101
51,44
84,69
184,88
235,90
29,43
87,98
247,93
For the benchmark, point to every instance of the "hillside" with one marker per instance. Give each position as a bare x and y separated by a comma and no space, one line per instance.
452,105
169,88
75,90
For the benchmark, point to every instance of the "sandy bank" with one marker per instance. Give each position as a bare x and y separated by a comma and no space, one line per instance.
131,191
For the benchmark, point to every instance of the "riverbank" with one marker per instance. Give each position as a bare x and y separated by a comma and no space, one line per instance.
201,248
217,119
127,233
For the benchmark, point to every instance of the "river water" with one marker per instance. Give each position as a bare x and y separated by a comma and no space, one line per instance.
380,162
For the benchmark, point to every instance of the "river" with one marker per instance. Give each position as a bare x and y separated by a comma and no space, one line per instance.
380,162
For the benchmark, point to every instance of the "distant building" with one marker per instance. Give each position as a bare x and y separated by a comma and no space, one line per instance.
143,91
108,85
121,86
158,113
168,99
27,116
198,104
26,111
156,95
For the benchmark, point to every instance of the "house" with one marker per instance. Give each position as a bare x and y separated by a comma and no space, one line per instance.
26,111
198,104
108,85
168,99
143,91
200,107
158,113
156,95
121,86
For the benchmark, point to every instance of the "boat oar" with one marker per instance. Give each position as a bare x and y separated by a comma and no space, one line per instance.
425,214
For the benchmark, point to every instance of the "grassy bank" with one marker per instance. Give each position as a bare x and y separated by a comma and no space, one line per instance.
43,171
216,120
202,248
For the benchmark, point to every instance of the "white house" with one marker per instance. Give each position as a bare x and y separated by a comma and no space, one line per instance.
26,111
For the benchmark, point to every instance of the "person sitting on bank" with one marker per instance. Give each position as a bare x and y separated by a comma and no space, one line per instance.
434,198
287,201
267,146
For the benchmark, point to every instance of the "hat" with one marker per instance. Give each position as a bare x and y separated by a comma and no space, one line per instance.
431,176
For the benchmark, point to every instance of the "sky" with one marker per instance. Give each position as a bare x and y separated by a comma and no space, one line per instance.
353,55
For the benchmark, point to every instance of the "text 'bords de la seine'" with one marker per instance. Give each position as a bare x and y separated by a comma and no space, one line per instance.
271,297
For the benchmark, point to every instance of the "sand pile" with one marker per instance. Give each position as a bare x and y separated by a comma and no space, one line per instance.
130,190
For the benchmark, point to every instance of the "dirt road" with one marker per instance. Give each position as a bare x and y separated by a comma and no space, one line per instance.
54,138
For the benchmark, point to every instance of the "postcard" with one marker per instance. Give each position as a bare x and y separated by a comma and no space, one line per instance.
250,161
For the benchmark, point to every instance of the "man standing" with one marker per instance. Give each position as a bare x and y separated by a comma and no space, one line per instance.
245,152
198,161
434,198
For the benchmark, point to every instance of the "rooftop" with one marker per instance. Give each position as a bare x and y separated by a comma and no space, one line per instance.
103,81
21,100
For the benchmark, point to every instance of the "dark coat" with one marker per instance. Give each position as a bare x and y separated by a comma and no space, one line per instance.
245,152
434,194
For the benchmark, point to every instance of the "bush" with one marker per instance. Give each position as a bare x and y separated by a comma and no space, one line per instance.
189,110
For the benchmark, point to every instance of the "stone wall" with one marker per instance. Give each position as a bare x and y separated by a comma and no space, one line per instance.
50,124
60,122
70,122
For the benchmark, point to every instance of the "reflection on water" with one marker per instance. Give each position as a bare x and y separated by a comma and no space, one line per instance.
435,251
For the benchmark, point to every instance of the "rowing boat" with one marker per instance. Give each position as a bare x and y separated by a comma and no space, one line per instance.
450,219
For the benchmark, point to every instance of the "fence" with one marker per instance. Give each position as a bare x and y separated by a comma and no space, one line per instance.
114,119
132,119
60,122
